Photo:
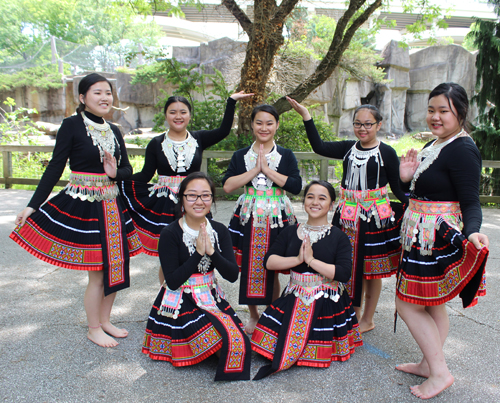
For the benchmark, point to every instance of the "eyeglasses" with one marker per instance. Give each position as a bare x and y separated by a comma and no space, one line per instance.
367,126
191,197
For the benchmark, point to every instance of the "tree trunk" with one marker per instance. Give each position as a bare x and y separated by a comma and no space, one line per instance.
265,37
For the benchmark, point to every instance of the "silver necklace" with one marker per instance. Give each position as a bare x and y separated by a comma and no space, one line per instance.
273,158
356,169
102,136
189,238
315,232
428,155
179,153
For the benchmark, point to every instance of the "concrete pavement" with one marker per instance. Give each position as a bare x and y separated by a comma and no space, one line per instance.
46,357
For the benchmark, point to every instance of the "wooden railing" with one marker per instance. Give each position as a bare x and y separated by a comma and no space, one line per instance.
8,180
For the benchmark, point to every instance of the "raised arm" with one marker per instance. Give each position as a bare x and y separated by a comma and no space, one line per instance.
210,137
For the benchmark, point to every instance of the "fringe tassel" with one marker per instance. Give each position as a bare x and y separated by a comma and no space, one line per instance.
421,219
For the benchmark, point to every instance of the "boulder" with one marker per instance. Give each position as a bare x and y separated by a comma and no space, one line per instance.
432,66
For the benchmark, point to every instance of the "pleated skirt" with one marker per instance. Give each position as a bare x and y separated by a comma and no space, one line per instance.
291,332
375,251
455,267
150,212
250,245
196,334
70,233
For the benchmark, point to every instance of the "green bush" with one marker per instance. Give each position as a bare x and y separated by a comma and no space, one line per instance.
41,77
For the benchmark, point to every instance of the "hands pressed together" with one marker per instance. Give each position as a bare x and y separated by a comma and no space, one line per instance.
306,253
203,244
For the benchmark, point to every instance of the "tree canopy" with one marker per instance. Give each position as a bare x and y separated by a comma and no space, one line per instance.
25,25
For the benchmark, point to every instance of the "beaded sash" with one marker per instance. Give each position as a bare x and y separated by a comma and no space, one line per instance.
167,186
263,204
423,218
91,187
200,287
310,287
364,204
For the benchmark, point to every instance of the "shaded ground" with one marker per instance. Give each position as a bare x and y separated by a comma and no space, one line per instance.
47,358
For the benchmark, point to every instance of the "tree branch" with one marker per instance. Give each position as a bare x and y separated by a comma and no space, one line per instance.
239,14
341,40
284,9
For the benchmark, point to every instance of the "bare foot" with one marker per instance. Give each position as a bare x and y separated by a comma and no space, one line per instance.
366,326
100,338
432,386
250,326
114,331
420,369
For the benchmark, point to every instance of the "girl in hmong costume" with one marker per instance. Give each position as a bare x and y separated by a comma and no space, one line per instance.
191,318
267,171
364,211
313,322
173,154
444,254
86,226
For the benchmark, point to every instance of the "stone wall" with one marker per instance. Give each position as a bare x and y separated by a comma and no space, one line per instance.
402,101
430,67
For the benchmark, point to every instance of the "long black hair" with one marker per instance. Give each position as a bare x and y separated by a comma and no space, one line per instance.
182,189
85,84
454,93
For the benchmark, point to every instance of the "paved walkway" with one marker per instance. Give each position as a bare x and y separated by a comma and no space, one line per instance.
45,356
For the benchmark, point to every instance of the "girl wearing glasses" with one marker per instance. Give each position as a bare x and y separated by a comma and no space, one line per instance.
173,155
313,322
267,171
444,255
191,318
364,212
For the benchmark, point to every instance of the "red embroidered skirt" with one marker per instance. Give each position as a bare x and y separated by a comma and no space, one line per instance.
438,262
195,334
82,235
291,332
375,238
152,207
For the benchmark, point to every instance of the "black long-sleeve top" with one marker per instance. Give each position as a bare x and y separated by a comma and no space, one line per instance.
73,142
332,249
178,265
156,160
287,166
454,176
389,172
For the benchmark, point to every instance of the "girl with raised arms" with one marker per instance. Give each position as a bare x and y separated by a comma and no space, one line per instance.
364,211
173,155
